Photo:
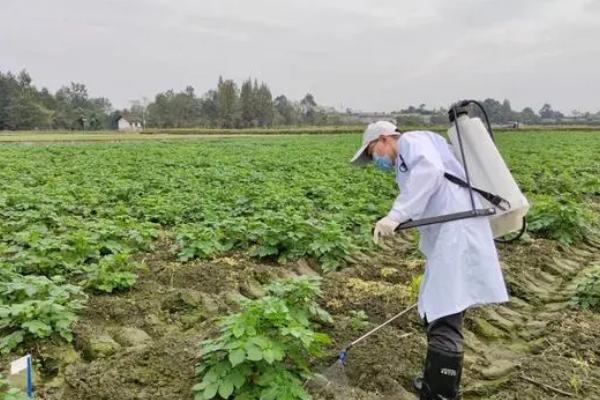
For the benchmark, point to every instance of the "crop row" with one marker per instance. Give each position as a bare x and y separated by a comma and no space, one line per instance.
75,216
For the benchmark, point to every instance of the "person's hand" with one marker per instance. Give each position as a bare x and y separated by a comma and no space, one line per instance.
384,227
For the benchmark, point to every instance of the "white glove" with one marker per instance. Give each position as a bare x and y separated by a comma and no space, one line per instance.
384,227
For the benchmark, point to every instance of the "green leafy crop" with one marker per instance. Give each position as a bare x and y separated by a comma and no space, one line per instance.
262,352
114,272
561,219
36,307
74,211
358,319
588,292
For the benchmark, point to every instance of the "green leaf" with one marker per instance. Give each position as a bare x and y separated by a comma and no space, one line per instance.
237,357
225,388
237,378
211,390
254,353
261,341
238,330
278,353
269,356
38,328
212,375
200,386
199,396
9,342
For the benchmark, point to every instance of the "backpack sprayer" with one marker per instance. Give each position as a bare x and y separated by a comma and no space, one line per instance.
486,175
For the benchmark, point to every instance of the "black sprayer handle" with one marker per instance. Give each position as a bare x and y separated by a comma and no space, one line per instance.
482,212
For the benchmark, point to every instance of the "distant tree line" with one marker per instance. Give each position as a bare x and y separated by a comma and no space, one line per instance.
498,113
23,106
229,106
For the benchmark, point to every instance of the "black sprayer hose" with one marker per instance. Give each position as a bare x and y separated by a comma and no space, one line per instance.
465,103
487,120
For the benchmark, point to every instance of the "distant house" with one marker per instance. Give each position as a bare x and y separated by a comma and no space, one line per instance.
128,125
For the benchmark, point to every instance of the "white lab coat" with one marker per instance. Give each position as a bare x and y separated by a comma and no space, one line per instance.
462,268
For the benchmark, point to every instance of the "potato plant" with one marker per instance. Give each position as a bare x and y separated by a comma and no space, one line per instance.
114,272
262,352
561,219
84,213
587,295
34,307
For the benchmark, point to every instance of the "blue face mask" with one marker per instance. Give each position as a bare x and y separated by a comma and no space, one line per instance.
383,163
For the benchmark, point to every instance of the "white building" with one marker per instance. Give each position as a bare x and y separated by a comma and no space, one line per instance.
127,126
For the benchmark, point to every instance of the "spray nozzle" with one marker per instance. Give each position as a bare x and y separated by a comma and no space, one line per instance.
343,355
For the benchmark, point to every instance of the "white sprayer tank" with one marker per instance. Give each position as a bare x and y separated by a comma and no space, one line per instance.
488,171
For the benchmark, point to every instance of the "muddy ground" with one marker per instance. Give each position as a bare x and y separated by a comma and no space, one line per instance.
143,344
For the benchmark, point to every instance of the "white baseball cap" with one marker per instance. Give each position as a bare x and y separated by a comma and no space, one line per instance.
373,132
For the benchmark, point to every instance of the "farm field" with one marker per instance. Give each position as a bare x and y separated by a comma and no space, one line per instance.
117,259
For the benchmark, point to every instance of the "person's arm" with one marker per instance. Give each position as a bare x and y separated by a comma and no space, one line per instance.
425,175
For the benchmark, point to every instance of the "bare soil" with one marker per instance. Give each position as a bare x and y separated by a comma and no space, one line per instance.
534,347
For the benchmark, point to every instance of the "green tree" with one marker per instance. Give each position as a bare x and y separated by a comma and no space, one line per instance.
248,104
228,104
24,113
185,108
494,110
506,113
138,111
264,105
76,110
309,108
285,113
209,109
23,106
528,116
546,112
20,104
160,113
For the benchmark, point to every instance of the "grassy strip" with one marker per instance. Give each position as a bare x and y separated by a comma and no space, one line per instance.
194,131
309,130
169,134
351,129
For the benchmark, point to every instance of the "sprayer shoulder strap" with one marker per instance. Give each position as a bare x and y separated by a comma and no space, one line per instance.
496,200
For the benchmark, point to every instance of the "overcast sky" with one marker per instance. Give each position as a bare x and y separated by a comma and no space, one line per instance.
364,54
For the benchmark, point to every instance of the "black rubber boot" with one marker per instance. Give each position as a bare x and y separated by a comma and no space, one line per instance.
441,380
